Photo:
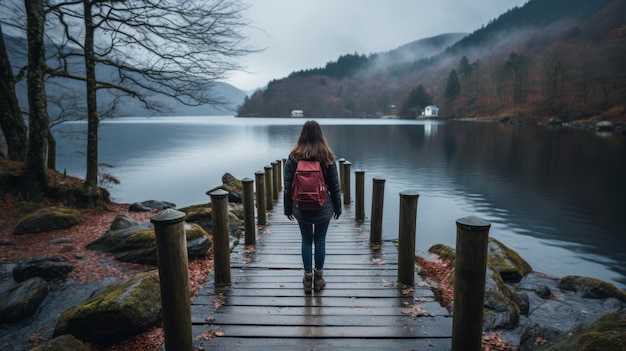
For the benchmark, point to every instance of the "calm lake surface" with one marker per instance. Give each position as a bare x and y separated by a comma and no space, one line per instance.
555,195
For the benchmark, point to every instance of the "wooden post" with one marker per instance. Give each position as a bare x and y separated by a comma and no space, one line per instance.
472,237
169,227
248,211
269,188
259,176
275,184
406,237
221,242
346,183
359,194
279,172
341,184
376,225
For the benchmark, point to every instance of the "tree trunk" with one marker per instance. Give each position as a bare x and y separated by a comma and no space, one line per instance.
91,179
52,151
35,170
11,120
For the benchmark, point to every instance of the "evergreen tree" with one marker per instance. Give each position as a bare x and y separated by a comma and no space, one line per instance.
453,87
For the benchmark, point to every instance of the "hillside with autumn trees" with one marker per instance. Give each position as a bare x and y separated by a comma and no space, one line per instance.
561,59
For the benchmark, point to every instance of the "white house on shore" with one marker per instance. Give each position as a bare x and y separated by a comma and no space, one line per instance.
431,110
297,113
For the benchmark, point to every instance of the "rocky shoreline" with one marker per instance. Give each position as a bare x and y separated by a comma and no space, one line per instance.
538,312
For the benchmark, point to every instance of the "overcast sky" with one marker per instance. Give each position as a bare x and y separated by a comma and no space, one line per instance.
301,34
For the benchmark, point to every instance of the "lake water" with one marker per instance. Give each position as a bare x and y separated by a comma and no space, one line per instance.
555,195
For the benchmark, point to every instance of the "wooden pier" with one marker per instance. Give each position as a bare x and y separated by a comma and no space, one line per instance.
361,308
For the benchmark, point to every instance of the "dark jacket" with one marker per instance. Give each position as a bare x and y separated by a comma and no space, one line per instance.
332,204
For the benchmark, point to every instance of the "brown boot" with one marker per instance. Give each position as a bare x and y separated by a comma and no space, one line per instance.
307,282
319,282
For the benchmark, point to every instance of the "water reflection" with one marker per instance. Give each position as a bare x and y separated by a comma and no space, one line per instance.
556,195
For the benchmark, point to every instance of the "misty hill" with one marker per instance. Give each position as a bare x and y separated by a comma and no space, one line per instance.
66,97
557,58
417,50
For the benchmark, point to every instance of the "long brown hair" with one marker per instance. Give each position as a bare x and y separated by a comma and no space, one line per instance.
312,145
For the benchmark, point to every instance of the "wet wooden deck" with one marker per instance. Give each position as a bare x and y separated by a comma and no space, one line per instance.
361,307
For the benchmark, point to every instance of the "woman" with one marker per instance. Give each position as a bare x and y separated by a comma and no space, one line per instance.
313,224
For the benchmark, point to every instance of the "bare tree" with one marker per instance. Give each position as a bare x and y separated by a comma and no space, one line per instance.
11,120
555,73
177,48
35,171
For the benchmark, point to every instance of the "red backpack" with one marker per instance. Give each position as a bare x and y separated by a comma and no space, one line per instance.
308,189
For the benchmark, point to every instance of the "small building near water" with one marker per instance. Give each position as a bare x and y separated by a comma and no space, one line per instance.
297,113
431,111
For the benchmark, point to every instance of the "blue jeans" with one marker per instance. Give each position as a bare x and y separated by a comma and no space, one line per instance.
313,234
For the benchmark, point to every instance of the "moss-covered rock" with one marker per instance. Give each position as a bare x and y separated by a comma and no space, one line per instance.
202,215
48,219
137,243
197,212
511,266
115,313
501,309
443,251
591,288
65,342
232,185
608,333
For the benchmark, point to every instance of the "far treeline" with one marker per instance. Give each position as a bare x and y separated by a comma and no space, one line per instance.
141,50
561,59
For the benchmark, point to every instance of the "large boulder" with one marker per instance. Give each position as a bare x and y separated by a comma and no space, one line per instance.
149,205
136,242
48,219
115,313
22,300
65,342
607,333
501,307
511,266
591,288
202,215
232,185
50,268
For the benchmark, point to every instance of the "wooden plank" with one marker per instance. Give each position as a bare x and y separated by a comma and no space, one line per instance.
305,344
372,332
425,322
304,301
202,312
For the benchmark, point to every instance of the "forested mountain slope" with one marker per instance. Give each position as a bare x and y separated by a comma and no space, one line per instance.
548,58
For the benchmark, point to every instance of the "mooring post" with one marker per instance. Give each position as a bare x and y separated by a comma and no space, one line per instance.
275,180
259,177
248,211
341,183
376,225
472,237
346,183
359,194
406,237
269,188
279,173
221,242
169,228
